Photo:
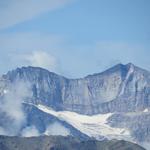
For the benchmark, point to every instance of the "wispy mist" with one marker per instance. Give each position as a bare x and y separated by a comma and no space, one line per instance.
57,129
30,131
15,119
11,106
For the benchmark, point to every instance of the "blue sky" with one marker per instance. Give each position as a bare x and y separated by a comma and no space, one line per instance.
74,37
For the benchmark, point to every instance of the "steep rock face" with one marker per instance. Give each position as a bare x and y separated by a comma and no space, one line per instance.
123,88
4,84
46,86
89,93
137,123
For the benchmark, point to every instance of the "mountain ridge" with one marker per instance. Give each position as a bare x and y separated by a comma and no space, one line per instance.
63,143
119,65
123,91
97,89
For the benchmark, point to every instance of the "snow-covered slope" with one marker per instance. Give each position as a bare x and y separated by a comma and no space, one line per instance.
94,126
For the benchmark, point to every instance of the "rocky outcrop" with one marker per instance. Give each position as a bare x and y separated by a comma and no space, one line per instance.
123,88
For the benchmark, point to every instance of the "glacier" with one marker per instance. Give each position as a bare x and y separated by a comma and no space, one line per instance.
93,126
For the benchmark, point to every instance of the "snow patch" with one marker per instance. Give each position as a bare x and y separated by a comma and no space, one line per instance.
131,70
93,126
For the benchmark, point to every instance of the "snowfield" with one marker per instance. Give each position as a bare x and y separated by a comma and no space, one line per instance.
94,126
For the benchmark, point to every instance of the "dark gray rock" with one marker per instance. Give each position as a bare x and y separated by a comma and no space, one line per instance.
62,143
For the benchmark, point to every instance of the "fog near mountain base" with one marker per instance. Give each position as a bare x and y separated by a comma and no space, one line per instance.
15,118
11,106
30,132
57,129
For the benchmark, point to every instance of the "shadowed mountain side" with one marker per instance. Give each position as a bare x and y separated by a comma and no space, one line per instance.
62,143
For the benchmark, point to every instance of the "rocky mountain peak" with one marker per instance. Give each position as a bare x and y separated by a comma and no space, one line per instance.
123,90
120,88
30,73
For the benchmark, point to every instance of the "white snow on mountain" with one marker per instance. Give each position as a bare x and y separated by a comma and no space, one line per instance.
93,126
131,70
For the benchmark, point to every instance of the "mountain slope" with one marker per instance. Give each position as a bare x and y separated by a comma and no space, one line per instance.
36,99
62,143
92,126
123,88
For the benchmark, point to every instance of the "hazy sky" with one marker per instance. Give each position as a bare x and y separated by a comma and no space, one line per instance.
74,37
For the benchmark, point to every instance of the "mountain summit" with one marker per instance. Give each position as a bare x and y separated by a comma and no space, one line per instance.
111,104
122,88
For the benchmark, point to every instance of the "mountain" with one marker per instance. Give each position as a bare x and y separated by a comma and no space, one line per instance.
113,104
62,143
123,88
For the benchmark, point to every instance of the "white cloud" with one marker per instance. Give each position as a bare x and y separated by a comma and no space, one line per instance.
57,129
27,49
41,59
30,132
71,60
16,11
11,105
